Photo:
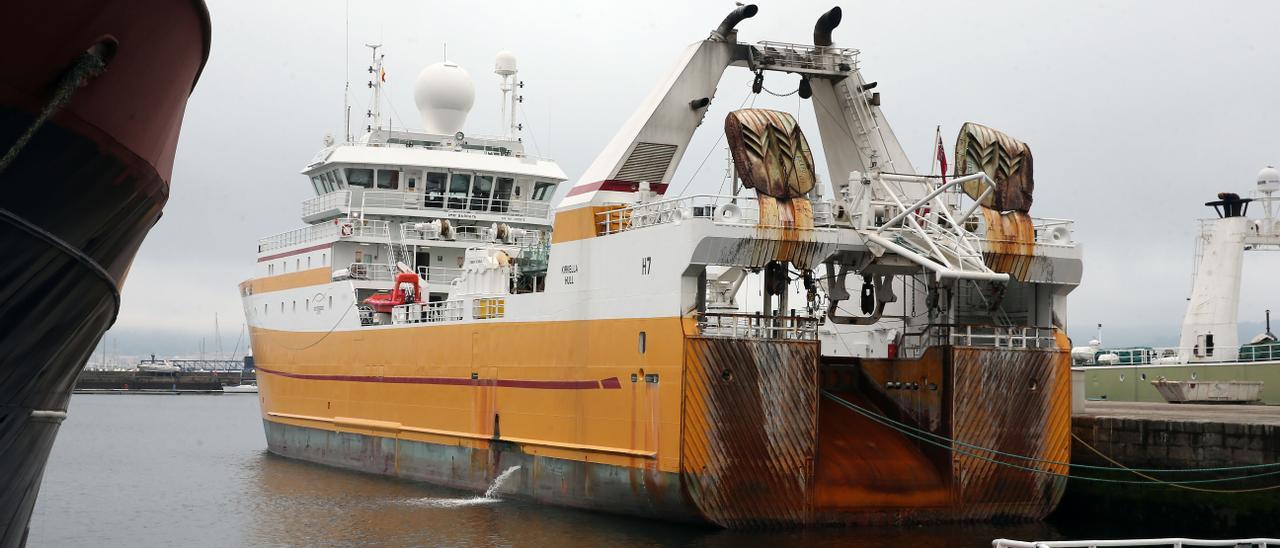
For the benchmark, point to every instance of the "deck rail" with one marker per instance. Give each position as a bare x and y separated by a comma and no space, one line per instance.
434,312
988,336
717,207
1176,542
757,326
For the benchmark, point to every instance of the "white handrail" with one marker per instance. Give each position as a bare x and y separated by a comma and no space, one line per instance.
1177,542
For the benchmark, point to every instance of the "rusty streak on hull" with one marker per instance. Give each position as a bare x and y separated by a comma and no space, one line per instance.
760,446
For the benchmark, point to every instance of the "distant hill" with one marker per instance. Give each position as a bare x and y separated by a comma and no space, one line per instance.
1148,335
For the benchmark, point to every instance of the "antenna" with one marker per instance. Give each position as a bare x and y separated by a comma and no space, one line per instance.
1099,338
505,66
346,73
376,76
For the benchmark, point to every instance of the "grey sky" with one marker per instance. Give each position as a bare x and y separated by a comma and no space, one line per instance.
1137,113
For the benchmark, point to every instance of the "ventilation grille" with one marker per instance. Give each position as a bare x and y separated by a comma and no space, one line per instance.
647,163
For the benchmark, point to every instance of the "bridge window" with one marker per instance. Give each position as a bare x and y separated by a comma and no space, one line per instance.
459,186
334,178
388,179
543,191
480,191
360,177
502,194
318,183
433,189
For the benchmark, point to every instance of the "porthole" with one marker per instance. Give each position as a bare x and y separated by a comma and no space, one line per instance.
1122,377
1143,376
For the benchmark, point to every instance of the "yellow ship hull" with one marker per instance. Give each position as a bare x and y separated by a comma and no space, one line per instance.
730,432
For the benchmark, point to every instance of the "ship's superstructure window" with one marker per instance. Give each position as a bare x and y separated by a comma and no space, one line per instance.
318,183
334,178
433,191
360,177
502,193
388,179
543,191
459,187
324,259
642,342
481,189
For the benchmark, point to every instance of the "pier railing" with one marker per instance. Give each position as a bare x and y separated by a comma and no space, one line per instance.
758,326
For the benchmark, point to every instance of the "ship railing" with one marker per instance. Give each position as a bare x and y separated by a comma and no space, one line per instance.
783,55
339,228
297,236
1173,355
366,228
982,336
719,208
1176,542
484,308
757,326
338,199
372,272
433,312
453,202
439,274
409,233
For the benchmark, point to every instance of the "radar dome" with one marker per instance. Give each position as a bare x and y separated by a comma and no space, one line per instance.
505,63
444,94
1268,180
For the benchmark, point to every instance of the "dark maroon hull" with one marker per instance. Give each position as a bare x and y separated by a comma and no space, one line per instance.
77,199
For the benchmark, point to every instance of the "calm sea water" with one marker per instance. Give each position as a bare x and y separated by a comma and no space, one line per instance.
141,470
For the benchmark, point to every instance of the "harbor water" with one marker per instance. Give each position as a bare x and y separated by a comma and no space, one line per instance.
193,470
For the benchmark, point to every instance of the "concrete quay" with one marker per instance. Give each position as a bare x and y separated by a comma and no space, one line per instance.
1181,437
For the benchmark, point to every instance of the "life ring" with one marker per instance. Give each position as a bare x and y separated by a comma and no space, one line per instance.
346,229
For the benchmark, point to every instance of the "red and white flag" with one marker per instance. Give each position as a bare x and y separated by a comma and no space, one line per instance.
942,155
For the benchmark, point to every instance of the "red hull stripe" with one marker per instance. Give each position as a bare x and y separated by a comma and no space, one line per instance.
616,186
611,383
294,252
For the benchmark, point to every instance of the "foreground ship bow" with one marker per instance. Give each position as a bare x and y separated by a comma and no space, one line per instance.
91,99
692,358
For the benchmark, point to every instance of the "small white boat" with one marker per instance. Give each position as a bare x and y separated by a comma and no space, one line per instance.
241,389
1209,391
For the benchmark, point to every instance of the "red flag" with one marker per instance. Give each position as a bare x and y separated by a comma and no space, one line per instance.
942,156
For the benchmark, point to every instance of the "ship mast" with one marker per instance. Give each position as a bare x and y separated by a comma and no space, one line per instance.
376,76
505,66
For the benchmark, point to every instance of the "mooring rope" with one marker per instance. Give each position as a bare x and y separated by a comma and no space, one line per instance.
87,67
928,438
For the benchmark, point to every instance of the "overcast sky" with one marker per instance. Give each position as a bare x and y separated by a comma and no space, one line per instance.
1137,113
